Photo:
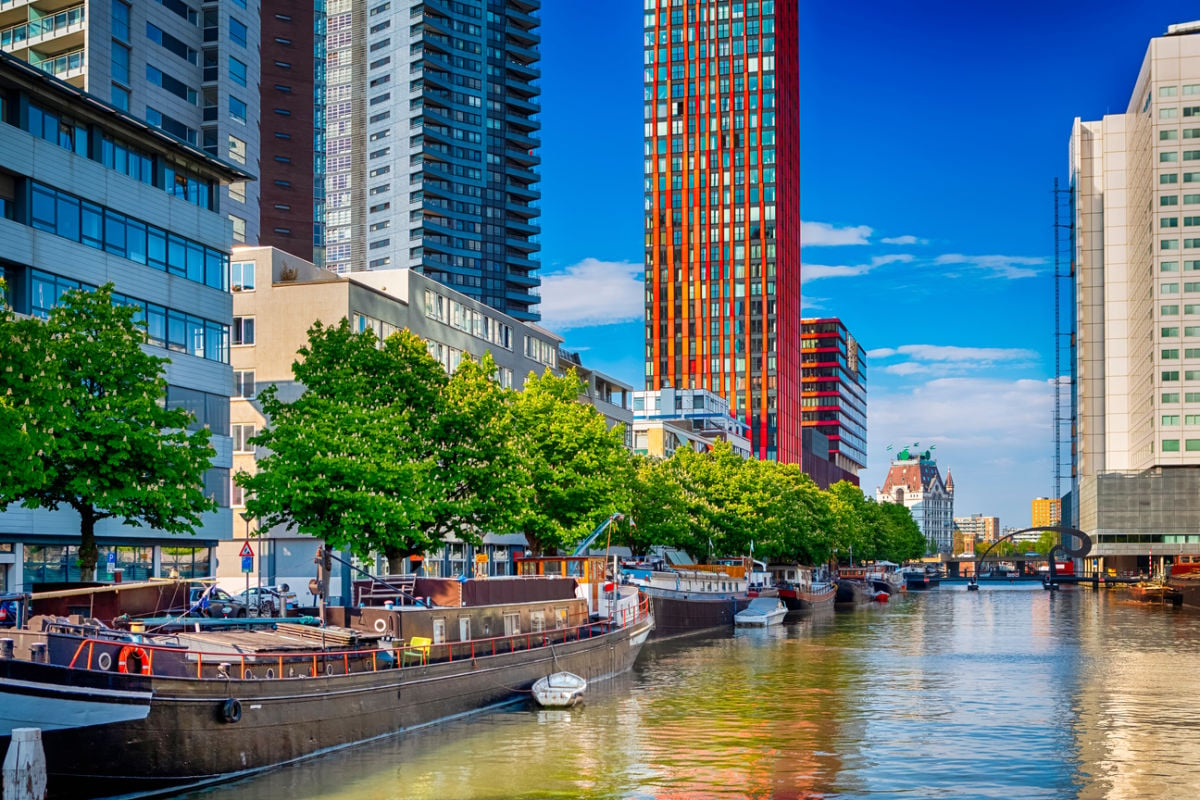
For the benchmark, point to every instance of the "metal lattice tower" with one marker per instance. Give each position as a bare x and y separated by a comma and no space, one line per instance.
1064,336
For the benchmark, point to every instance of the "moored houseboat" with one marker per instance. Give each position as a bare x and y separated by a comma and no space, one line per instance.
226,703
690,598
808,589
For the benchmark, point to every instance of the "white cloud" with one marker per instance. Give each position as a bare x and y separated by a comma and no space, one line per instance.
996,436
999,266
824,234
940,352
592,293
813,272
944,360
906,239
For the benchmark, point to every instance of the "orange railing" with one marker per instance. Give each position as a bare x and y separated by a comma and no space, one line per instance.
372,659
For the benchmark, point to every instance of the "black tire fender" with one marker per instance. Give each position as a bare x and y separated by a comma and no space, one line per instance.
231,710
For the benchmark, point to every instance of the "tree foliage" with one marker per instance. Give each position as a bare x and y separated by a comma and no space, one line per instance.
574,470
88,400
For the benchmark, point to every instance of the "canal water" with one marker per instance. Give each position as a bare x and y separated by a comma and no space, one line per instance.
1003,693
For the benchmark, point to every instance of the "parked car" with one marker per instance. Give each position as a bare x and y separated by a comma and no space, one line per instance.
9,612
216,603
268,601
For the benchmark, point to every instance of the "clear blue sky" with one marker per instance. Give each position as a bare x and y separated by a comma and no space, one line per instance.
940,126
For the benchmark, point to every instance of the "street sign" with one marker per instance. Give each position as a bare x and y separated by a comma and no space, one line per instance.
247,563
481,558
246,551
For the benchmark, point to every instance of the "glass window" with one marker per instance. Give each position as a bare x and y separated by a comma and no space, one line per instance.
243,384
237,71
1170,445
237,109
243,331
237,31
243,276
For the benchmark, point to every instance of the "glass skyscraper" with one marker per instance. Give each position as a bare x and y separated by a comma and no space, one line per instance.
722,202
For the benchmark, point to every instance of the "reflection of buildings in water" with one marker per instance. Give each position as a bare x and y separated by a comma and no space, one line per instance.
1135,732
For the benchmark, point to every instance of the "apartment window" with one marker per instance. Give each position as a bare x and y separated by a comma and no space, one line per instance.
237,150
1168,177
1191,266
1191,308
1168,134
1169,200
1170,332
1191,330
1191,111
1191,444
1169,266
237,31
237,71
242,434
1171,354
1170,375
1170,419
380,189
243,384
1191,88
1169,222
283,159
120,63
1169,244
120,97
1191,352
1168,113
239,228
1191,177
1170,310
243,330
237,109
1189,199
1191,242
120,20
171,44
1191,133
1170,397
237,191
380,263
1168,156
1191,155
1168,91
1169,288
242,276
1170,445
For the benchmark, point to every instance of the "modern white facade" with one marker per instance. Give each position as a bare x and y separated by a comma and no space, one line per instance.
1136,187
188,67
668,419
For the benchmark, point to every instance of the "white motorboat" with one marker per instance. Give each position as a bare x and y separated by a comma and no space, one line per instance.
559,690
762,612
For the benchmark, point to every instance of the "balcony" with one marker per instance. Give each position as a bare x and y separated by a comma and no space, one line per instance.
525,55
520,105
520,70
522,85
525,157
45,29
522,227
65,66
521,174
522,36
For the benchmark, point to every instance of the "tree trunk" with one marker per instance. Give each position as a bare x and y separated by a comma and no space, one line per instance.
396,560
88,552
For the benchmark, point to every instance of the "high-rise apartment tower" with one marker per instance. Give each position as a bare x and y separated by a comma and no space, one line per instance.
431,150
722,189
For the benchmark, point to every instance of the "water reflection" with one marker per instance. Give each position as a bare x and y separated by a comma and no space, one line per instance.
997,693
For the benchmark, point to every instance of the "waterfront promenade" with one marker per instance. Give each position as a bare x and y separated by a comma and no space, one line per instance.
1001,693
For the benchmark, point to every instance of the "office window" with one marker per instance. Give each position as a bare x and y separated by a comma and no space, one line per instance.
1168,91
1170,445
237,109
243,330
1168,177
1169,288
1170,397
1169,200
1169,266
1170,332
1169,222
1169,354
1191,177
1170,419
1169,244
1167,135
237,191
1168,156
120,63
1168,113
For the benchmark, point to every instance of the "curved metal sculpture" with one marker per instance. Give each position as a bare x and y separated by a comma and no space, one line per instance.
1078,551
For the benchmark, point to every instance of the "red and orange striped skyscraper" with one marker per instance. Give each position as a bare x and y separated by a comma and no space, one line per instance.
722,183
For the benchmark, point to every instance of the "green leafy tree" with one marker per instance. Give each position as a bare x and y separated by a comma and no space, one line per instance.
574,470
901,538
475,484
23,343
349,459
107,445
659,507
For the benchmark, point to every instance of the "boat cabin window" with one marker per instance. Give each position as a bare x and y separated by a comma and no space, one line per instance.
439,630
537,621
512,624
464,629
560,617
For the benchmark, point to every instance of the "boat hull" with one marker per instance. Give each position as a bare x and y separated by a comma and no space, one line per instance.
186,740
680,615
28,700
853,592
1188,587
799,600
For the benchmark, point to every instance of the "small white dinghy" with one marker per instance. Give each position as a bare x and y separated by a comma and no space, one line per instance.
559,690
762,612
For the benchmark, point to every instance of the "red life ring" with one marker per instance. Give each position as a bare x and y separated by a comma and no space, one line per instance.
137,652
